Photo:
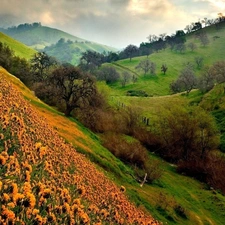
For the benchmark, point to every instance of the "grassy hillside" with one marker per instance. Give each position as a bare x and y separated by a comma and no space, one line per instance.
43,178
71,51
175,199
20,49
39,37
158,85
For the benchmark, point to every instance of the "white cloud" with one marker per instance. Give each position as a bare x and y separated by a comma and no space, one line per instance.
113,22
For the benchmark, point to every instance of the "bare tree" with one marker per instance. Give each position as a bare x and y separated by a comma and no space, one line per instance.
203,37
185,82
180,47
125,78
164,68
147,66
218,69
192,46
199,61
206,80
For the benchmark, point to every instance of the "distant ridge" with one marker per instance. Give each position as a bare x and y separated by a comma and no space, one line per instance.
40,37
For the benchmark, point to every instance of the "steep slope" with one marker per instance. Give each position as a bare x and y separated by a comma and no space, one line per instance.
19,48
44,180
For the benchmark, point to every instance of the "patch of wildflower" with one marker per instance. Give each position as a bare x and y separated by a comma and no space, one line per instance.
36,182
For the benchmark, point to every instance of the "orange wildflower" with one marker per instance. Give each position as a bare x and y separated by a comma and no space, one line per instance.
14,189
17,198
6,197
2,160
6,213
30,200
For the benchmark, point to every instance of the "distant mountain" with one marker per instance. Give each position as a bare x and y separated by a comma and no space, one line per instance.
39,37
19,48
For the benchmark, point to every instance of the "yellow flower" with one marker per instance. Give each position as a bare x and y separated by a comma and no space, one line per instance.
14,189
1,136
2,160
46,193
30,200
38,145
26,188
27,176
17,198
0,185
51,217
6,197
42,152
8,214
11,205
35,212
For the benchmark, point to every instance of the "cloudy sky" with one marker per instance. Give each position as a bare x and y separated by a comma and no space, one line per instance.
115,23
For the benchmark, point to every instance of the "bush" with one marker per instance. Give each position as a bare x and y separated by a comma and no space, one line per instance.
153,170
210,169
129,152
137,93
180,211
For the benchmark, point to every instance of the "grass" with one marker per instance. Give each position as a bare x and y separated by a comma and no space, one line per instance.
158,85
174,199
202,206
20,49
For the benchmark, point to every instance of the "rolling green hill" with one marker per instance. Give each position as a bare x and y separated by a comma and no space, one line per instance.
39,37
19,48
175,199
158,85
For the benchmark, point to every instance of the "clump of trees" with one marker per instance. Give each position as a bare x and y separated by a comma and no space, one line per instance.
186,81
146,66
14,64
210,76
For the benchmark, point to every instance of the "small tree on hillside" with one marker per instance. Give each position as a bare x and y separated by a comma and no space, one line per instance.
199,61
218,70
192,46
108,74
164,68
185,82
125,78
147,66
130,51
203,37
206,80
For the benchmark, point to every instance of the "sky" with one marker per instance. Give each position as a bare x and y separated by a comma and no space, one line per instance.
115,23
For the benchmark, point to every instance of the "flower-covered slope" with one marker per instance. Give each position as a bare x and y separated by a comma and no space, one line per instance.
43,180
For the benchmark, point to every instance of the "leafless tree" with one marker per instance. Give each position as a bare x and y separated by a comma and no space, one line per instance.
192,46
199,61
